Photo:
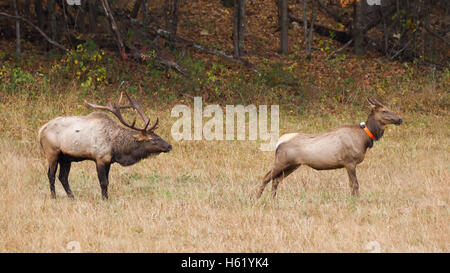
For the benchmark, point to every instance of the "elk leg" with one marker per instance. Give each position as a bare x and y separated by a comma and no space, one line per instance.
52,167
351,170
273,176
64,169
267,178
281,176
107,166
102,172
275,183
274,173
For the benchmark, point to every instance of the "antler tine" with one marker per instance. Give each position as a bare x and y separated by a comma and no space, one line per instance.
137,106
101,107
123,106
118,114
134,122
115,109
154,125
120,98
146,125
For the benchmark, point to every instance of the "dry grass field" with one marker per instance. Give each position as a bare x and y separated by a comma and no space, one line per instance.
201,196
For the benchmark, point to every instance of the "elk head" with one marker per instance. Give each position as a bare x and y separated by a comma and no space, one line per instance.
146,136
382,114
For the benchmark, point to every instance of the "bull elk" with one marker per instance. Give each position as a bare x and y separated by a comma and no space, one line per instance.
99,138
342,147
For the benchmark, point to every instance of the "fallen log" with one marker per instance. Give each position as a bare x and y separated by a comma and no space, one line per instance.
187,43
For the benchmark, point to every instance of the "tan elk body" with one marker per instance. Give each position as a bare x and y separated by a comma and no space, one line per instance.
86,137
342,147
99,138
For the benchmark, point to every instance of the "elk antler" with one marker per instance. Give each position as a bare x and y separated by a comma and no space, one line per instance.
115,109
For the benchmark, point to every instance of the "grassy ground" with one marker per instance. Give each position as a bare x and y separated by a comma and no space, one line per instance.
200,196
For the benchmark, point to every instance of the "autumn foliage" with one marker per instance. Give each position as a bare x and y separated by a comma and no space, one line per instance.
345,3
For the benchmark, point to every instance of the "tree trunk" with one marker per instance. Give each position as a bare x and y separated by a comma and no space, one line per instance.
146,15
239,27
305,24
284,26
92,16
80,19
36,28
137,6
39,13
358,26
308,33
114,28
311,29
26,8
236,28
16,12
171,13
51,8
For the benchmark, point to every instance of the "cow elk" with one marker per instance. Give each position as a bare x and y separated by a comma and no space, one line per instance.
342,147
99,138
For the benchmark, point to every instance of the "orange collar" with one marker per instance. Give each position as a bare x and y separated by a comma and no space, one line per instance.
368,133
363,125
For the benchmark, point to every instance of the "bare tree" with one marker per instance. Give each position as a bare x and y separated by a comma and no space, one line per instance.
359,26
39,13
239,27
146,14
36,28
171,17
114,28
51,9
136,7
284,25
308,33
16,12
92,15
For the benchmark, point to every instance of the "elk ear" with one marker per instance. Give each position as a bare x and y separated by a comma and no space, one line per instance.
140,137
374,103
371,103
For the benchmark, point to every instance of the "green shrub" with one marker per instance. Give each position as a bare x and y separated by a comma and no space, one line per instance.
85,64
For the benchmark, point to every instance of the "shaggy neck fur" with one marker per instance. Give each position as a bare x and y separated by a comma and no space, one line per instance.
375,128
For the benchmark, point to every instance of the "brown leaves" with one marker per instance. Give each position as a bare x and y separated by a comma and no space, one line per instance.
345,3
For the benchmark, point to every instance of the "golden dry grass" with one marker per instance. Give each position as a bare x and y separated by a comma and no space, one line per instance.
200,196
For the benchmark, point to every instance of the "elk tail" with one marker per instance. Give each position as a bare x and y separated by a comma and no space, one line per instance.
39,134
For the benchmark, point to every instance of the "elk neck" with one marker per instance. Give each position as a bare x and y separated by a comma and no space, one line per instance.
375,128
